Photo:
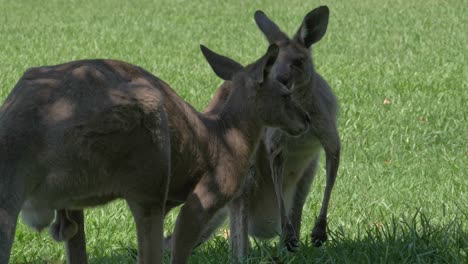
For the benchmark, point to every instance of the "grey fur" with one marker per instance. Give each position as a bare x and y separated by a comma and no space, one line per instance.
87,132
284,165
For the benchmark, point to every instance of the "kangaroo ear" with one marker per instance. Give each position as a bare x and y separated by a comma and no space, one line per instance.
313,27
271,31
223,67
264,64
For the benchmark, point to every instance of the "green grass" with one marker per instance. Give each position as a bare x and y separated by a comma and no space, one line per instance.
402,191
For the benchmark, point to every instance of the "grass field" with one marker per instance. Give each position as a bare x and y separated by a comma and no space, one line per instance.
400,72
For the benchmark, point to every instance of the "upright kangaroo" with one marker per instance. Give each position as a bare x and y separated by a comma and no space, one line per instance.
87,132
292,161
284,166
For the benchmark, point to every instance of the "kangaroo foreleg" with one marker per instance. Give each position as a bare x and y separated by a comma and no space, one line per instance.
331,143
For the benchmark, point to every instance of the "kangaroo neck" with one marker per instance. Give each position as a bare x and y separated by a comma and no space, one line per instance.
241,113
234,129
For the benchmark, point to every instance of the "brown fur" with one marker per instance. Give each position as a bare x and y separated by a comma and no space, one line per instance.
291,161
284,166
87,132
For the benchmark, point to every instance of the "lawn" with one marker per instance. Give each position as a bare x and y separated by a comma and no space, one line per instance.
399,70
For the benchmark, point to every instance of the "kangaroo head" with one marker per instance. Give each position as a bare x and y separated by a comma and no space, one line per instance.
294,63
254,88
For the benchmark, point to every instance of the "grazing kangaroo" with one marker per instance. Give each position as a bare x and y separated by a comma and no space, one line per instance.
84,133
284,166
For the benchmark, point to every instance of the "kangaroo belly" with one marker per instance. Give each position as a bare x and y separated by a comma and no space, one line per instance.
264,214
298,158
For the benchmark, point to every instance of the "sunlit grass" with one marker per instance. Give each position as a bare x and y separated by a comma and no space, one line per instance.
400,72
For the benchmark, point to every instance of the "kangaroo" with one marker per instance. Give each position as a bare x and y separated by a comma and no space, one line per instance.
87,132
284,166
293,160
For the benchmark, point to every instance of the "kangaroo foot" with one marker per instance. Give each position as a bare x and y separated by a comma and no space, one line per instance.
290,239
319,233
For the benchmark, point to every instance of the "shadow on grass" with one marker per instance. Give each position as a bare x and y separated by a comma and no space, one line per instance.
412,239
